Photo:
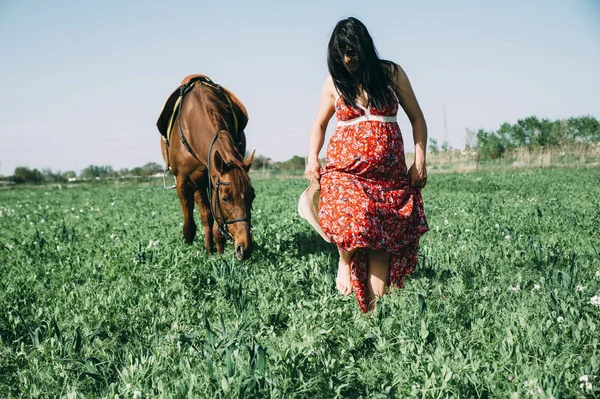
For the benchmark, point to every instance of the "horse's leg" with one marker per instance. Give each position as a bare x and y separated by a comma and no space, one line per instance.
206,217
219,239
186,198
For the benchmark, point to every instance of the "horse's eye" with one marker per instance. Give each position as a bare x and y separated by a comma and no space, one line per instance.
226,200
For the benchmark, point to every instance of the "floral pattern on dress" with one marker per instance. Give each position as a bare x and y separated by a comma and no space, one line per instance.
366,199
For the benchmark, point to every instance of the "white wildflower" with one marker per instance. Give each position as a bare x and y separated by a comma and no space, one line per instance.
467,230
9,246
598,273
437,228
137,394
128,386
449,235
532,388
580,288
112,204
27,216
43,221
584,383
560,319
113,236
536,287
73,209
153,243
595,300
514,289
515,395
588,386
507,237
415,387
58,247
445,221
497,225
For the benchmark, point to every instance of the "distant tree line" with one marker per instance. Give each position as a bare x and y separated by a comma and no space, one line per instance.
531,133
528,133
24,174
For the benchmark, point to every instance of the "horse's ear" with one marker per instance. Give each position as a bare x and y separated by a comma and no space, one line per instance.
218,162
248,162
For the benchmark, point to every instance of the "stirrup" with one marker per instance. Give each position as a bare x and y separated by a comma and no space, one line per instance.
165,180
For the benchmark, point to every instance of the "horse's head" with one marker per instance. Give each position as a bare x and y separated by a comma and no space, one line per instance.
232,202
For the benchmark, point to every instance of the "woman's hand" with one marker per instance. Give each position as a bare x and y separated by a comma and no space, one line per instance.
313,168
418,175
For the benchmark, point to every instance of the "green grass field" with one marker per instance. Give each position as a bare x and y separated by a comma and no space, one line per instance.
100,297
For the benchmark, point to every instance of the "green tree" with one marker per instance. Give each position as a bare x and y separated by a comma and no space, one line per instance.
295,163
25,175
93,171
433,146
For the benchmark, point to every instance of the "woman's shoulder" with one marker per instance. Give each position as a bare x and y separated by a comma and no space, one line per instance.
391,67
329,86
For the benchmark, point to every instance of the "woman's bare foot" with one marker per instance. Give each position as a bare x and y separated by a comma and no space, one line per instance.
343,281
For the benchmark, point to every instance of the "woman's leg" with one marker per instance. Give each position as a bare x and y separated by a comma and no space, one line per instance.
379,272
343,282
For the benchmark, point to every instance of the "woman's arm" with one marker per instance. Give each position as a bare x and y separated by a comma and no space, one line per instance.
408,101
317,132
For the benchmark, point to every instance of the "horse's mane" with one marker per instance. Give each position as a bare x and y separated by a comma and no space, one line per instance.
240,178
238,174
219,108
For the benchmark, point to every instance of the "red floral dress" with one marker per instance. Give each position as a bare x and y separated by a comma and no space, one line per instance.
366,199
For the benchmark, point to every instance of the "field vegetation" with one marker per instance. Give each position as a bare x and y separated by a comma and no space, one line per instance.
101,297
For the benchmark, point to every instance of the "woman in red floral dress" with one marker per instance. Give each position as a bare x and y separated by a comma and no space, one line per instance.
370,204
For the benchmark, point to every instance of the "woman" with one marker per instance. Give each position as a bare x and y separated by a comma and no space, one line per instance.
370,204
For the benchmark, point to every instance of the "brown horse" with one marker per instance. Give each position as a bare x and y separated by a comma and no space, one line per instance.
204,145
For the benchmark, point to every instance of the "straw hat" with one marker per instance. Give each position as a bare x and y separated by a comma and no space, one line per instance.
308,206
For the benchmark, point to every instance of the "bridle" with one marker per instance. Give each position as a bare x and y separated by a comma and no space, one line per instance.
217,208
222,226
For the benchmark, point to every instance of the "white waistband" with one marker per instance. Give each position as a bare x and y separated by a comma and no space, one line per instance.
366,118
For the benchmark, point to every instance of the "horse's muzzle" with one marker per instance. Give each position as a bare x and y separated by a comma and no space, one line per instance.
243,251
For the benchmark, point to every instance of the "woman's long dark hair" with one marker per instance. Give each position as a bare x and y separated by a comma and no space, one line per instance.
350,37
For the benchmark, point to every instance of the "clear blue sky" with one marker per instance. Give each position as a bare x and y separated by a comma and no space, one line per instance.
83,82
